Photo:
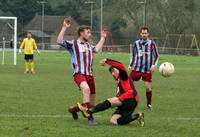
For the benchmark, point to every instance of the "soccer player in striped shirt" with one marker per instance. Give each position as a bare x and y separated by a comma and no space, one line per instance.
144,60
81,53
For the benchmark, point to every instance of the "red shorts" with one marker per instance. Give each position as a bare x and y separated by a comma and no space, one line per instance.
79,78
135,76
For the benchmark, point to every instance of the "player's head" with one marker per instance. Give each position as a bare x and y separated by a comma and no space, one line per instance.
144,32
29,35
84,32
114,72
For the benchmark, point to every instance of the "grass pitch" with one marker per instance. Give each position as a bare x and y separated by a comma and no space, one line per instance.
35,106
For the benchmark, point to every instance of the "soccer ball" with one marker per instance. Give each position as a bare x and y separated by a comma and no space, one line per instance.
166,69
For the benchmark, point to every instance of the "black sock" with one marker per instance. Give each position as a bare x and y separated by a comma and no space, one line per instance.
100,107
127,119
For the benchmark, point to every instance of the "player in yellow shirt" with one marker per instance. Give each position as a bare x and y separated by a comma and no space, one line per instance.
29,45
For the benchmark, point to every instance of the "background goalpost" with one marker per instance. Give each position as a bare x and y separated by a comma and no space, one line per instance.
181,44
14,39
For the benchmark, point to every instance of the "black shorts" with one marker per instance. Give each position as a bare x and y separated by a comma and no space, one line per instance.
28,57
127,108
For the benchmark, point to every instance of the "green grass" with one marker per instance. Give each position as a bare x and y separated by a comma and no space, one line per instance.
176,109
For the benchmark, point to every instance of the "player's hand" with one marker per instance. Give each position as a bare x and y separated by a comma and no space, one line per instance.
66,23
20,51
38,51
152,68
104,34
102,62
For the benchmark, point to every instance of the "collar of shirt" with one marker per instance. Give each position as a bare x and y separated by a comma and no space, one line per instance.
83,43
144,42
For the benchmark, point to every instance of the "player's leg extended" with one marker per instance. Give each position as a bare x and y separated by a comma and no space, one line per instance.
118,119
86,98
124,113
148,86
82,84
86,102
112,102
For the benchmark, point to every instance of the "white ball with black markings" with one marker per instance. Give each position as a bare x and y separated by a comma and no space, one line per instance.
166,69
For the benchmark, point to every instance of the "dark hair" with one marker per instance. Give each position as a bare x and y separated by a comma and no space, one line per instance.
111,68
82,29
144,28
122,74
29,32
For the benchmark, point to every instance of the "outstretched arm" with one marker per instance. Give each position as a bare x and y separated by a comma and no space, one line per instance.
118,65
99,46
113,63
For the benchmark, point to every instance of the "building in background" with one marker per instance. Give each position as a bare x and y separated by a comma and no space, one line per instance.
52,26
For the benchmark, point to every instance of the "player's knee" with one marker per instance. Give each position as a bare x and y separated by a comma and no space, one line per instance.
114,101
114,119
85,88
148,89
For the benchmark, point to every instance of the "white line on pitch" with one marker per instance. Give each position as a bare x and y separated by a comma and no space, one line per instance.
68,116
182,118
33,116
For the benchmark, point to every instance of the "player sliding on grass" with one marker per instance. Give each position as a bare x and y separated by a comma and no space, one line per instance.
29,45
81,52
144,60
126,100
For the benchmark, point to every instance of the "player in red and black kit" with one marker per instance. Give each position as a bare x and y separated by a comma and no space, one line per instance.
126,100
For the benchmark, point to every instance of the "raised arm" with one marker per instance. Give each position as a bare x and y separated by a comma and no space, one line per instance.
60,41
99,46
66,24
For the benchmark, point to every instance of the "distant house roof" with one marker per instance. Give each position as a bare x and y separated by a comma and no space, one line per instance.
52,24
39,33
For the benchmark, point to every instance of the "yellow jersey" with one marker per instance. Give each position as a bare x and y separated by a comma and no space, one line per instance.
28,45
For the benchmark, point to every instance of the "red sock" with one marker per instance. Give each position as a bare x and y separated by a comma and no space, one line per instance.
88,105
148,96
